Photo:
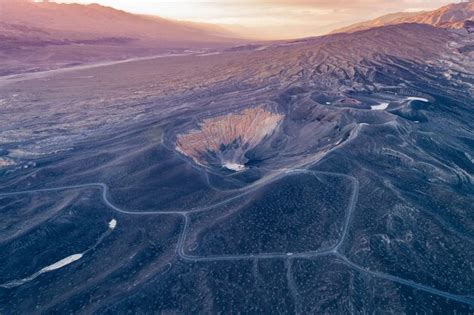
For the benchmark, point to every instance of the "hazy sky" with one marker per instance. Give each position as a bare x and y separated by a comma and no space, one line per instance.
275,18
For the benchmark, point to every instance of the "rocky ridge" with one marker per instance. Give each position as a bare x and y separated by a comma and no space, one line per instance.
452,16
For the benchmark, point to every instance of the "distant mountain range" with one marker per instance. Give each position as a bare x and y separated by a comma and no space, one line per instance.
450,16
35,35
84,22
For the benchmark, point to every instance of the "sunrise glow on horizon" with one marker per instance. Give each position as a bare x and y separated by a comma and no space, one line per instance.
271,18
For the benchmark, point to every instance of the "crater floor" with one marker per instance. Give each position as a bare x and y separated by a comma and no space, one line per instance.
224,140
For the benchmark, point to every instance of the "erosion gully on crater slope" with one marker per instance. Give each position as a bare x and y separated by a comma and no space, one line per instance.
224,140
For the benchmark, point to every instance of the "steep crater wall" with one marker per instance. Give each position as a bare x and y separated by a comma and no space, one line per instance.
223,141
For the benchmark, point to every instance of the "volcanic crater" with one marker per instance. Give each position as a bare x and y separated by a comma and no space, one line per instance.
224,141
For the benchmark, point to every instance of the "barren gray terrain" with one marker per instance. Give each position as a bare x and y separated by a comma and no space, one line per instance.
141,185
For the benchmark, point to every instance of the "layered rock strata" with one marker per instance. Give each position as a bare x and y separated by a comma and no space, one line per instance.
224,140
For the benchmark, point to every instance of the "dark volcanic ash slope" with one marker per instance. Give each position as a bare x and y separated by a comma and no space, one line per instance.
357,198
321,86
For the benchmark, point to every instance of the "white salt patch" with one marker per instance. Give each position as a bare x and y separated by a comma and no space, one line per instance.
112,224
63,262
234,166
381,106
57,265
417,99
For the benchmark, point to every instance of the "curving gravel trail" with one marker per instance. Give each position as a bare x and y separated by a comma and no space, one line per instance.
286,256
